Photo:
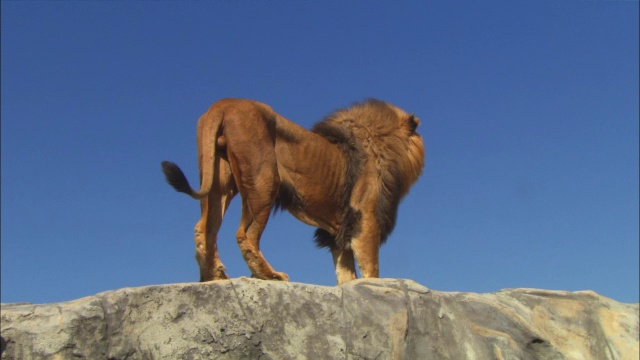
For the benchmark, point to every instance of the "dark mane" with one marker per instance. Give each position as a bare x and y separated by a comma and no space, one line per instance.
377,124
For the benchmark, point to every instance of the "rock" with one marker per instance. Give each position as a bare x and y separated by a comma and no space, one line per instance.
365,319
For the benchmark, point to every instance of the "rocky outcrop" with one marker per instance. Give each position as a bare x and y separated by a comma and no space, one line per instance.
365,319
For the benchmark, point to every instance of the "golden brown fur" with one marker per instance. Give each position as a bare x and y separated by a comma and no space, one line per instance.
346,177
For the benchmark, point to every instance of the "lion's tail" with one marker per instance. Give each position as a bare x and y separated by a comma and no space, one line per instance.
208,129
175,177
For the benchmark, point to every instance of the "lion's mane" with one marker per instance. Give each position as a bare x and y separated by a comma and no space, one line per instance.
369,132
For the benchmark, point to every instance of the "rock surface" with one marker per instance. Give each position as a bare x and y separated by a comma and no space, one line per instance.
365,319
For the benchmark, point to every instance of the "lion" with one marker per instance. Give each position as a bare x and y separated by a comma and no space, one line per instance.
346,177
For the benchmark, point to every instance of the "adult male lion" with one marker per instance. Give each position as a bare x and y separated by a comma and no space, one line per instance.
346,176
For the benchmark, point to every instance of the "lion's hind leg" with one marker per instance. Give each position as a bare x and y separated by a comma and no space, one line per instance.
213,208
248,236
257,202
258,183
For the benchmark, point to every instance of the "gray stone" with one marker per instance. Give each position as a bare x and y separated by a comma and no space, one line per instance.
364,319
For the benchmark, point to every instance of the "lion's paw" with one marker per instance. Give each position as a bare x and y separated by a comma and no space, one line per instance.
280,276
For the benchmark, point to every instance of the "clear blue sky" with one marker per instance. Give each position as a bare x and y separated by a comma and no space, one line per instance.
529,114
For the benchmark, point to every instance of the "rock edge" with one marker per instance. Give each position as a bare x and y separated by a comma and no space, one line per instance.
364,319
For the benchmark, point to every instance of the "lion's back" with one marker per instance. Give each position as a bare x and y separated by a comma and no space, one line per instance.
237,104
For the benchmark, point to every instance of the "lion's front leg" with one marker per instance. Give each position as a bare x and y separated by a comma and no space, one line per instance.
345,265
366,248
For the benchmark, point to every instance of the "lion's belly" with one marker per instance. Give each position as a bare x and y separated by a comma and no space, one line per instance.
315,216
311,200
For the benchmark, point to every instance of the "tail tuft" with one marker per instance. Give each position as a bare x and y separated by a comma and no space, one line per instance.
175,177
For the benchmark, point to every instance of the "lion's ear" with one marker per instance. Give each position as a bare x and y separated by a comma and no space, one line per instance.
413,122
